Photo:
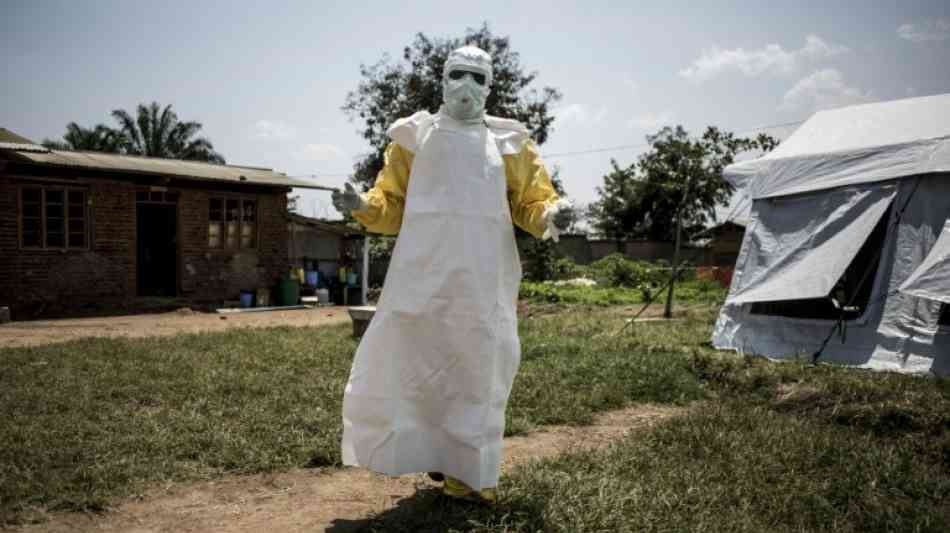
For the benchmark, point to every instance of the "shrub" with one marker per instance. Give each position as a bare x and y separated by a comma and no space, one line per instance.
564,268
617,271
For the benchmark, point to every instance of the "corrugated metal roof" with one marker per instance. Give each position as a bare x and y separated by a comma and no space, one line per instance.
7,136
12,141
22,147
162,167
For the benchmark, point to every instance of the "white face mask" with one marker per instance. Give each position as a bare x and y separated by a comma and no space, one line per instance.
464,98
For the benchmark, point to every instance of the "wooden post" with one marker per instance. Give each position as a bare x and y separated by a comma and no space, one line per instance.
668,311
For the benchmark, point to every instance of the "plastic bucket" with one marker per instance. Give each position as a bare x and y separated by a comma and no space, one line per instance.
313,278
289,292
323,296
247,299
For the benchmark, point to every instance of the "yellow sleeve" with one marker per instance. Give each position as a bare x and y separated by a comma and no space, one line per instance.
529,189
386,200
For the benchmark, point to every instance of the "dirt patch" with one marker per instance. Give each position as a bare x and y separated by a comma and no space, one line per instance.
37,332
311,500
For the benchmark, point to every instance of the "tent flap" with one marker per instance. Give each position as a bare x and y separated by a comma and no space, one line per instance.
931,279
798,247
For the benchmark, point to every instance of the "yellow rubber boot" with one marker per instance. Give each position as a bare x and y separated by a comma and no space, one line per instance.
457,488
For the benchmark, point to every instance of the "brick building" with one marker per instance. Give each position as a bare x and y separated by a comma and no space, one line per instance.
85,229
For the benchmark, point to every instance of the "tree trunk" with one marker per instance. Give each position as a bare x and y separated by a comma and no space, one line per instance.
668,311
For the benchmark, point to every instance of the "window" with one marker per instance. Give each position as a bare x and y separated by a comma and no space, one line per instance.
232,218
232,223
53,218
851,293
215,222
944,319
249,225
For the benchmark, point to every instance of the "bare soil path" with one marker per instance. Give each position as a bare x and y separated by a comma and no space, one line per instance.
334,499
36,332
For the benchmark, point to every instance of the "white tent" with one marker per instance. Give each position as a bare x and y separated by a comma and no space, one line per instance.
847,250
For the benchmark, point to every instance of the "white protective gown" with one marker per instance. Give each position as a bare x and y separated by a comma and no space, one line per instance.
432,375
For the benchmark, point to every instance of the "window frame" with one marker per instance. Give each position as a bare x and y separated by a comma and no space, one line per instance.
66,190
223,223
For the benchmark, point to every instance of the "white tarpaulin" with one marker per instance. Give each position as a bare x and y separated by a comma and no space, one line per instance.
816,200
798,247
854,145
931,279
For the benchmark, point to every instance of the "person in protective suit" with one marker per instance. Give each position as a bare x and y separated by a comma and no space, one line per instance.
432,375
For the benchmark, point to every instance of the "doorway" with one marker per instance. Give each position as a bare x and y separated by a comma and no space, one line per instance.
156,222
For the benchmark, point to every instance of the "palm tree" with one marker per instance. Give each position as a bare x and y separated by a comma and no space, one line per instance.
158,133
99,139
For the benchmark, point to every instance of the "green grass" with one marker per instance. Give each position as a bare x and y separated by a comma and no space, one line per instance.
778,447
88,421
722,468
768,447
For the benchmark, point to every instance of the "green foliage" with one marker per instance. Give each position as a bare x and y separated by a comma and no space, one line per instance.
549,293
390,90
616,270
540,259
153,132
689,292
98,139
157,132
381,247
564,268
619,281
677,175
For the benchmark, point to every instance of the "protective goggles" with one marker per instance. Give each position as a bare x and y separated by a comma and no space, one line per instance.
459,74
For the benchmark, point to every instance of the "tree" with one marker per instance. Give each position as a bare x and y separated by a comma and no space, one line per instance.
678,175
391,90
99,139
157,132
616,213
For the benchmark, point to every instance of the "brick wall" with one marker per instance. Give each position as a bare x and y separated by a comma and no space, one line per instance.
54,282
214,275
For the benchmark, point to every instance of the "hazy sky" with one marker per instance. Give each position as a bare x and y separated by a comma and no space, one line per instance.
267,79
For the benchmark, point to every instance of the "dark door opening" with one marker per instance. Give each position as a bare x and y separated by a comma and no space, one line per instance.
157,243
